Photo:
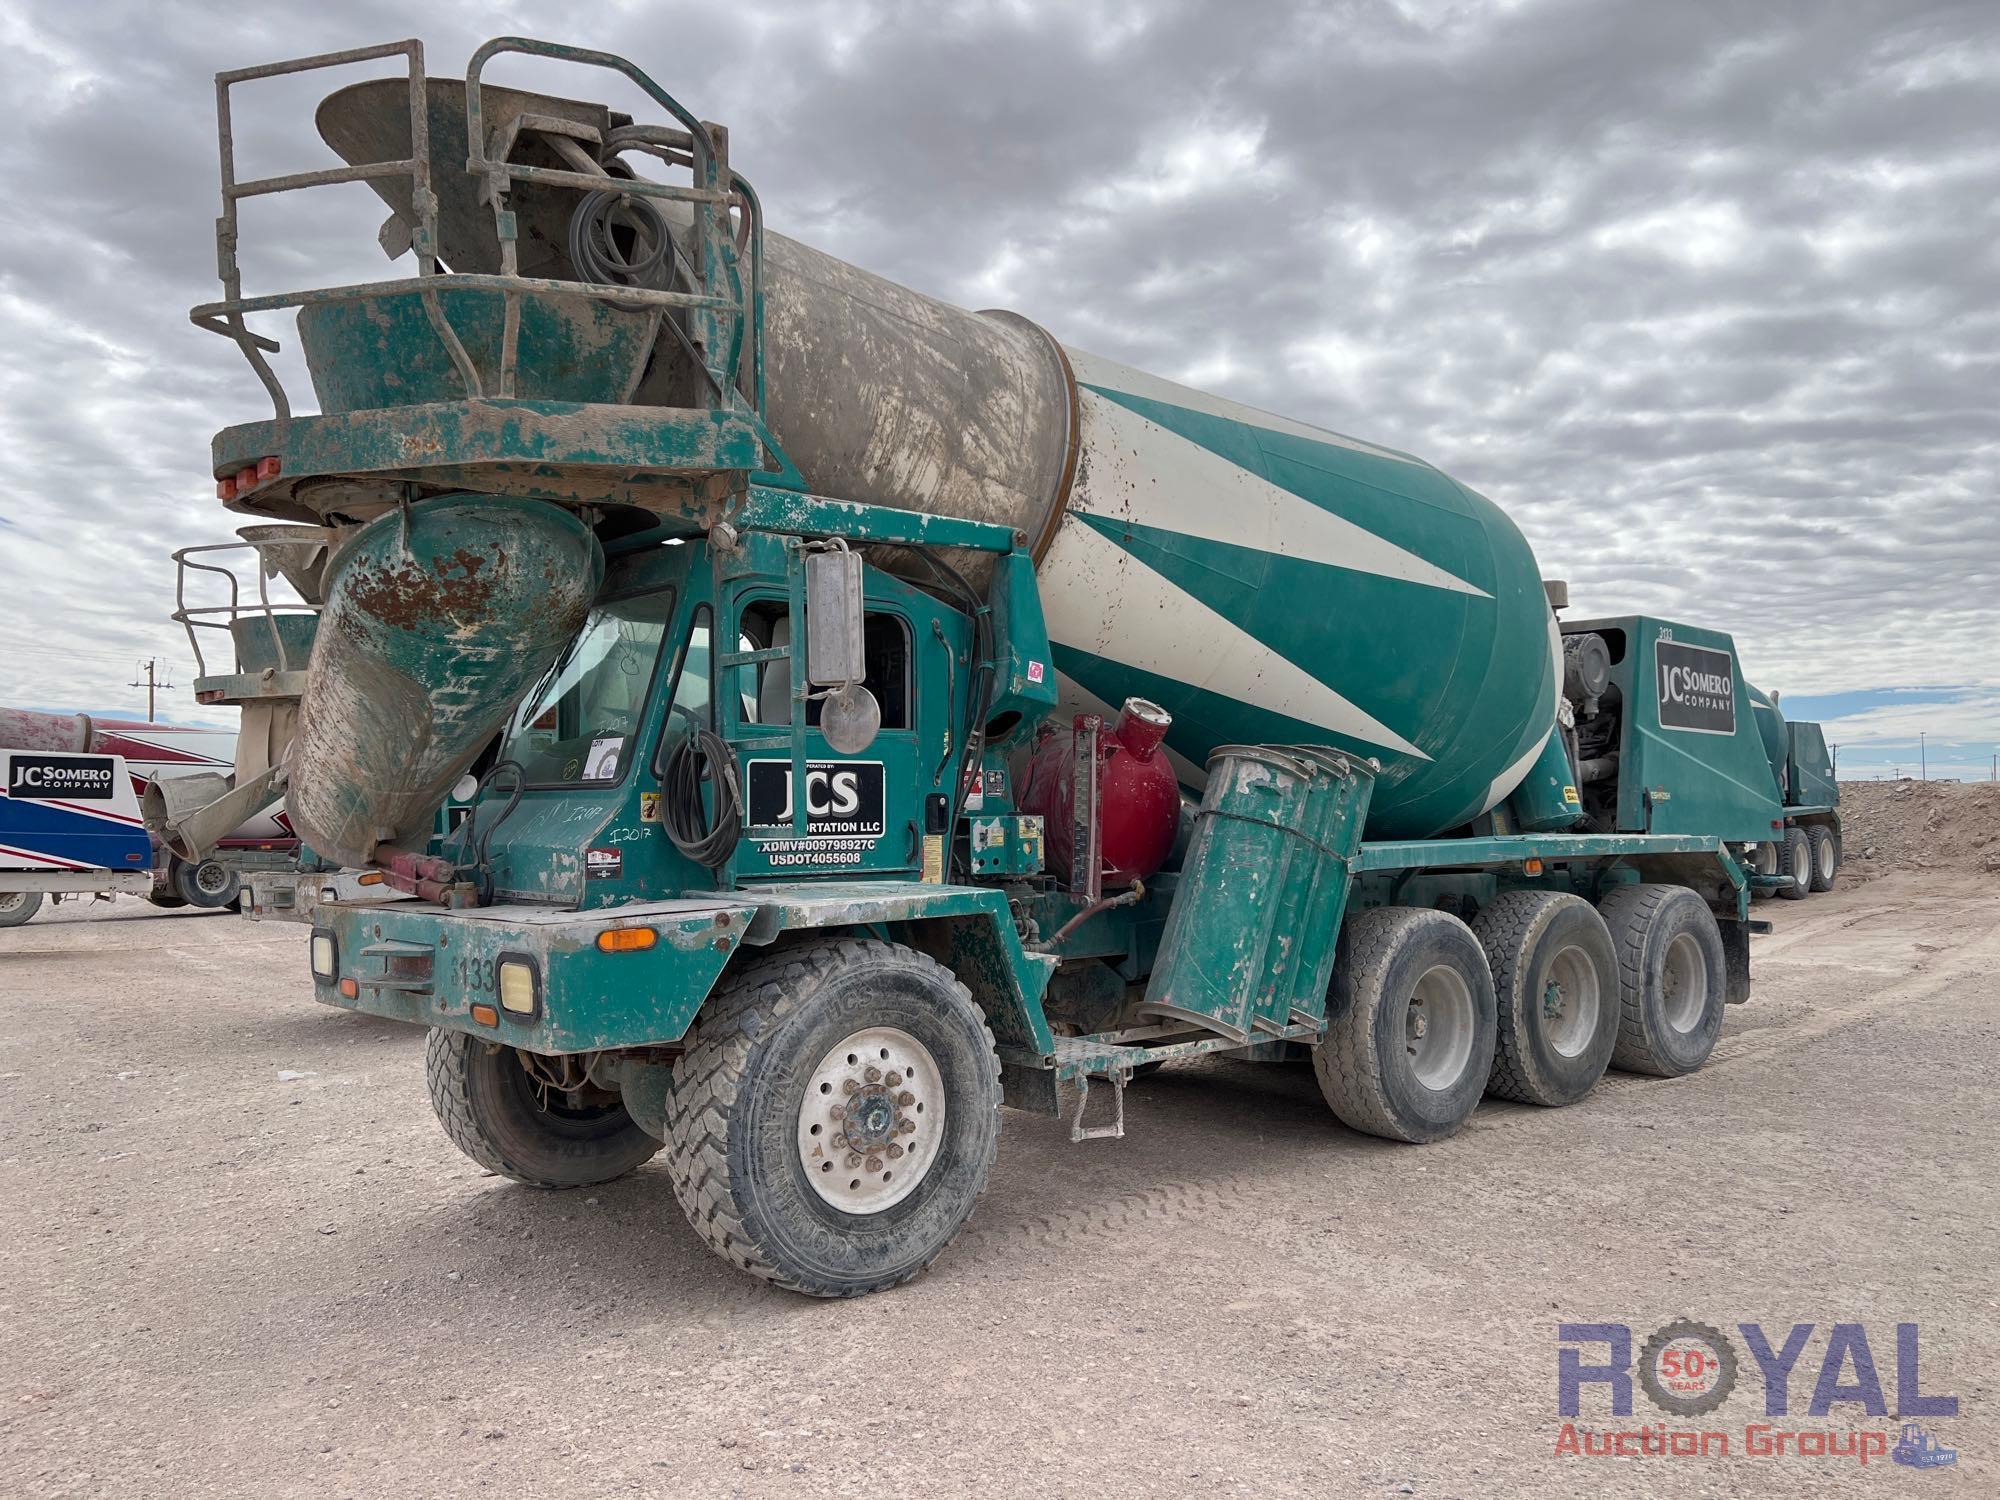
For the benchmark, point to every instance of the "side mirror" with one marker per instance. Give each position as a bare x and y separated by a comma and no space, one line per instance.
836,653
834,648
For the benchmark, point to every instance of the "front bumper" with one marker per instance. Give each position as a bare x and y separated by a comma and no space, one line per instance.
431,965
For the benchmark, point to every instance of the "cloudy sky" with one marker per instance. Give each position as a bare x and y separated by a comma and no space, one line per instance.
1707,295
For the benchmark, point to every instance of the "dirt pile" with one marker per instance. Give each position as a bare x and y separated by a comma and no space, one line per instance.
1920,825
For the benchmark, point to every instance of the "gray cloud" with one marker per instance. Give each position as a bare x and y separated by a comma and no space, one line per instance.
1705,296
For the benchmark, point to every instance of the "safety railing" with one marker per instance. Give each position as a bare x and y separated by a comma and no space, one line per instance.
727,322
194,619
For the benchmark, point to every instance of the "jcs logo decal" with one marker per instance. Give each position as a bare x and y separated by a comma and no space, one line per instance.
843,797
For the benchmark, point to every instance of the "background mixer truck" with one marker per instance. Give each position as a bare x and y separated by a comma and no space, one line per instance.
839,671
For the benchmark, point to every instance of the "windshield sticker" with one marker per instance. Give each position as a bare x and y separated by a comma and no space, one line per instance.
603,762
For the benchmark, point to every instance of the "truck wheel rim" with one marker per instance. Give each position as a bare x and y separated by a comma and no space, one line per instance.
1438,1027
872,1120
211,879
12,901
1570,1002
1801,864
1684,983
1826,859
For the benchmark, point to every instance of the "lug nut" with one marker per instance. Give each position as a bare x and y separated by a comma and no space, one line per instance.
848,1085
836,1112
894,1080
873,1074
894,1151
853,1159
874,1163
906,1098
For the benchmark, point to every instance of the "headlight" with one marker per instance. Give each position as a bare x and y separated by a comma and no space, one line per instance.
518,987
324,959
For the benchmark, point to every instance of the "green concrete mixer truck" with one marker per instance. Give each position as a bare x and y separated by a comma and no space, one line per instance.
874,712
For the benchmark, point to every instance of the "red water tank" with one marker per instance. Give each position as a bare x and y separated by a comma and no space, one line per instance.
1138,795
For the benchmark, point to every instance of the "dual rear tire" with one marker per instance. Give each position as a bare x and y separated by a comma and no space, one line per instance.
1795,860
1824,847
1530,1003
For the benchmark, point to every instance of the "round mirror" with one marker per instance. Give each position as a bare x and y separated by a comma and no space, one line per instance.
850,718
466,788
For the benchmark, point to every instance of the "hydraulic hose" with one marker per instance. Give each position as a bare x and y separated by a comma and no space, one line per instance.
702,755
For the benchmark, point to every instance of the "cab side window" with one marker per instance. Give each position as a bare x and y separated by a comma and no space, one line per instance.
765,688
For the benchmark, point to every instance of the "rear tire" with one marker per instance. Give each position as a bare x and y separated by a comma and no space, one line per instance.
1825,856
1555,983
1410,1025
1673,978
17,907
507,1121
210,884
1795,859
793,1185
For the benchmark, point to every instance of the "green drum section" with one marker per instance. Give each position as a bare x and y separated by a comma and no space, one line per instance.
437,620
1248,945
1267,582
1547,801
1776,736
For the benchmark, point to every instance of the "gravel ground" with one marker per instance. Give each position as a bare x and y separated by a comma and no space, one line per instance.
242,1259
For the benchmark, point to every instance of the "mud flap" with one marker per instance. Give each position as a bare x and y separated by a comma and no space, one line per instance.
1031,1090
1736,956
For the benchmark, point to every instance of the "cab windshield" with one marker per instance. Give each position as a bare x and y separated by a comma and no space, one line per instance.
578,724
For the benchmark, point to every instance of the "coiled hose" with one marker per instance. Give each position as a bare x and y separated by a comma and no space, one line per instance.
594,252
702,755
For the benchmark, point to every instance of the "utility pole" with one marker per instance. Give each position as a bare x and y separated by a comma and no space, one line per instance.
1835,751
152,685
1923,759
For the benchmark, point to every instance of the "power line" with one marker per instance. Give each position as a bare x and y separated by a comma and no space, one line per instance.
152,684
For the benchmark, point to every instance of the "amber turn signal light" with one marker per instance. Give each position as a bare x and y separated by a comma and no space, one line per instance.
626,939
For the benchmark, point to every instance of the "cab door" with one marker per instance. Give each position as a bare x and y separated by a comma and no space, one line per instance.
863,812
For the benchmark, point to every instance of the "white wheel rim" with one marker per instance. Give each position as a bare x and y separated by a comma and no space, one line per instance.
1826,859
865,1141
1767,859
1571,1000
211,879
12,901
1801,863
1438,1026
1683,983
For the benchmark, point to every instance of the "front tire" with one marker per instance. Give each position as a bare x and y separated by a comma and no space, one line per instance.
513,1123
1825,857
1410,1025
1555,981
1673,978
792,1151
17,907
